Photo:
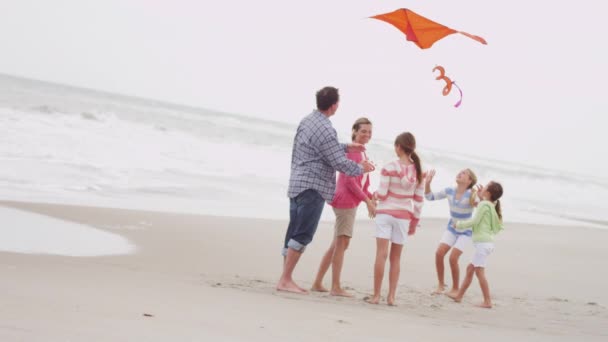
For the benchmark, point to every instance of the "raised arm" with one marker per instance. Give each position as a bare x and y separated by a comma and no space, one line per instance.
433,196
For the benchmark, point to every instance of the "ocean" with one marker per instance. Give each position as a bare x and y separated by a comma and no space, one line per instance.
61,144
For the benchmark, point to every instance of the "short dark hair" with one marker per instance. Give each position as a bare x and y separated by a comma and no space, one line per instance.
327,97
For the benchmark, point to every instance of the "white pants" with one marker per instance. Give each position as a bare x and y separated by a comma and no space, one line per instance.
455,240
391,228
482,251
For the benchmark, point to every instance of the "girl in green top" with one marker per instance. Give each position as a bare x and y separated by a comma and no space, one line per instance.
486,223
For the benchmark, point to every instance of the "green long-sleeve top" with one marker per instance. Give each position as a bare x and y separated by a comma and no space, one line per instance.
485,222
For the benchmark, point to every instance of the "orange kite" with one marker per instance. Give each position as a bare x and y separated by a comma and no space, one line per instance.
420,30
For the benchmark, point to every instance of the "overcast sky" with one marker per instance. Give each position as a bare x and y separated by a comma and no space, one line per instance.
534,94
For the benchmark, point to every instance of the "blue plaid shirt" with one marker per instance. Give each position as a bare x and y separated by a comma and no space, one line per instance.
316,156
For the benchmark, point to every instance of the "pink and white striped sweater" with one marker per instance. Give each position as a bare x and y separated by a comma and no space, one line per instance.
399,194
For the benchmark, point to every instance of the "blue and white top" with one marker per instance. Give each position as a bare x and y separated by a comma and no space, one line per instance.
460,209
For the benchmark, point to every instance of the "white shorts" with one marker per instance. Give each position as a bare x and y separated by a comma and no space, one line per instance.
457,241
482,251
391,228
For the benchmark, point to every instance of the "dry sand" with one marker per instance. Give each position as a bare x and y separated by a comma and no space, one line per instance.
201,278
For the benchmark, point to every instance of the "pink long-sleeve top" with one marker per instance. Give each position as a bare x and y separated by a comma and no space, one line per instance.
351,190
399,194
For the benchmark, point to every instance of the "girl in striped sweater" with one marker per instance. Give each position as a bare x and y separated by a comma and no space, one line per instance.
461,199
400,197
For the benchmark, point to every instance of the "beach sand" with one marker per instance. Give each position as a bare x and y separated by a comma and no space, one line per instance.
202,278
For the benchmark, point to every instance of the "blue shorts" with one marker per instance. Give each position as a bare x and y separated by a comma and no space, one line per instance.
304,215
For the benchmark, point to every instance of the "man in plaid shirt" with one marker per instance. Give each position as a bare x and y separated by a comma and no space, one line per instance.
316,156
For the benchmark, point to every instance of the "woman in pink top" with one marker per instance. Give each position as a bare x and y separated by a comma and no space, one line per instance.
350,191
400,198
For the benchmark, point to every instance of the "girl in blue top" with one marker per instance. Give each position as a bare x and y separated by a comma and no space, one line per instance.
461,199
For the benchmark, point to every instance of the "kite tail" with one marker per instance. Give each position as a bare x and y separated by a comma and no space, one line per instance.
460,91
477,38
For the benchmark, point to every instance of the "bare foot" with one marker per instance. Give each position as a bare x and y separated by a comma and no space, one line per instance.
453,293
290,286
372,300
340,293
391,301
484,305
455,297
318,288
439,290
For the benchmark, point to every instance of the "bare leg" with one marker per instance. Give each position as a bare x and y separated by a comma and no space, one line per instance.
454,256
286,282
323,267
485,288
465,284
442,250
336,266
381,255
393,274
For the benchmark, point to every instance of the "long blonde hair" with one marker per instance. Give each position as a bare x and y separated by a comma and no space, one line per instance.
473,178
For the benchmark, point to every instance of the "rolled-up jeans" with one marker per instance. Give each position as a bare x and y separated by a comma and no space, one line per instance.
304,214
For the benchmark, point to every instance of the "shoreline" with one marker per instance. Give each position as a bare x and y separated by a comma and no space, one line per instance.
582,223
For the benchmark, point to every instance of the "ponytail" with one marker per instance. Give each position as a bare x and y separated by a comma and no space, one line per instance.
407,142
495,190
416,160
472,198
498,211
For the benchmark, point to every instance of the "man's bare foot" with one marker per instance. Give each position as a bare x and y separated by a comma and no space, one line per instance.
391,301
484,305
340,293
318,288
438,290
455,297
372,299
290,286
452,293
